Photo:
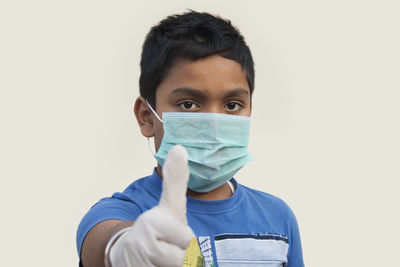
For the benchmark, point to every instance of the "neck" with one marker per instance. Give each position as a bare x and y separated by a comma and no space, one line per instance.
219,193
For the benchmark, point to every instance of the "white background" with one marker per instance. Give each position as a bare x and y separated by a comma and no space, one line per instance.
325,132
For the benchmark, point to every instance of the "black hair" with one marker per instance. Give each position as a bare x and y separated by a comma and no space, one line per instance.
191,35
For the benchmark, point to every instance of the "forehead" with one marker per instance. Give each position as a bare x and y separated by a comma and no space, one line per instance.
214,75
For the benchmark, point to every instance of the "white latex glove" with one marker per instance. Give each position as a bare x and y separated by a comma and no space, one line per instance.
160,236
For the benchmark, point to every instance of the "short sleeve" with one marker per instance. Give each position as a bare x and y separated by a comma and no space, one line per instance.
106,209
295,254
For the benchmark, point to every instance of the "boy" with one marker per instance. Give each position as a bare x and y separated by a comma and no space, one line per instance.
196,83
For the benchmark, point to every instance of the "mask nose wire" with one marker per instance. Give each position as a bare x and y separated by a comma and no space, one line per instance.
154,112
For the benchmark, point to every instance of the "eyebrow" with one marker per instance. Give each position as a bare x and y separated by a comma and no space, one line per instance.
237,93
187,91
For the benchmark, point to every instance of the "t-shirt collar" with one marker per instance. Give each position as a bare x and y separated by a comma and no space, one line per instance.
195,205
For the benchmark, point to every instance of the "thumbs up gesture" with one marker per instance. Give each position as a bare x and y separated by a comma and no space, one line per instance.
160,236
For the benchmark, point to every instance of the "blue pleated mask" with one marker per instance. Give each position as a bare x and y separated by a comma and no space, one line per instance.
216,144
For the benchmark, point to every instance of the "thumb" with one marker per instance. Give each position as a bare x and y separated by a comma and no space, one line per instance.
175,178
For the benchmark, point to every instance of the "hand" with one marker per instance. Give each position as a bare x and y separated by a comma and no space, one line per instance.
160,236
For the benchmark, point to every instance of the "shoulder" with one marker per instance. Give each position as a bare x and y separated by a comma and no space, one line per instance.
267,202
261,196
143,193
127,205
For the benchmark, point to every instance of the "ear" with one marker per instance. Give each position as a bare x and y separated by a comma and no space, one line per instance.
144,117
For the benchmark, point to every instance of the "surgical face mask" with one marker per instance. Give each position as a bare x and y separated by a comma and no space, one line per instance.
216,144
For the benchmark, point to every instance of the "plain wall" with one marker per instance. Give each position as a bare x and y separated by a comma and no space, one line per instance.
325,130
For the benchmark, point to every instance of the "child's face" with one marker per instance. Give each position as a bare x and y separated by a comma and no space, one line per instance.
213,85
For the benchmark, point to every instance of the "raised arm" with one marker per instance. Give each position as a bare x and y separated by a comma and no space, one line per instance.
159,236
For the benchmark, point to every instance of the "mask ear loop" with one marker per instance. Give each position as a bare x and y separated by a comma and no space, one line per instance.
150,148
154,112
148,139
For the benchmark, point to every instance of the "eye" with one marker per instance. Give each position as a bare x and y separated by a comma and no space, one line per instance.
233,106
188,105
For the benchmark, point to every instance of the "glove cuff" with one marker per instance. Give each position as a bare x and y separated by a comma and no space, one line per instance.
110,243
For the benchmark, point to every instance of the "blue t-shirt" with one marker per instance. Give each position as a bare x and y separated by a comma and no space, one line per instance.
250,228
